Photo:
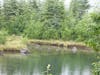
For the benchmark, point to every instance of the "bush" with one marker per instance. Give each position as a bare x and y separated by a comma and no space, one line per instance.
50,34
33,30
96,67
3,35
88,30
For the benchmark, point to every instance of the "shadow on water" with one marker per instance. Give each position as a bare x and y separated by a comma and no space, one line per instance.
67,64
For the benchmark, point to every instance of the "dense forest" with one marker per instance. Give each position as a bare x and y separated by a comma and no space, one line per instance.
50,20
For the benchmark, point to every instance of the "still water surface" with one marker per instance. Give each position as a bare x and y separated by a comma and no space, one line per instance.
67,64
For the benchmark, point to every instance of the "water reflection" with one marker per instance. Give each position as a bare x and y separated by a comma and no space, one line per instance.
69,64
76,71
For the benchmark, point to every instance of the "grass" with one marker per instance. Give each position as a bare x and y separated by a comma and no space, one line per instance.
13,43
18,42
55,42
60,43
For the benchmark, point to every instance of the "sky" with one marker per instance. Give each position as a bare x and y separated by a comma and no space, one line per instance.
93,3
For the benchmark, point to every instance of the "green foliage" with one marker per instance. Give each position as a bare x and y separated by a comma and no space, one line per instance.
34,30
50,20
34,5
88,30
78,8
51,34
3,35
83,27
96,67
95,31
10,8
66,34
53,14
48,69
52,17
65,30
96,17
11,13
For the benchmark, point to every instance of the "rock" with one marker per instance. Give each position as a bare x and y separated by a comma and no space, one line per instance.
74,49
24,51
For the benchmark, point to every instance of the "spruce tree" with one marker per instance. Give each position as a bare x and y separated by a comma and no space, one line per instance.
1,16
78,8
52,16
53,13
10,8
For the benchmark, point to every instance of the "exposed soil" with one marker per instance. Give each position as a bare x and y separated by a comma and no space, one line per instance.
11,51
43,43
69,46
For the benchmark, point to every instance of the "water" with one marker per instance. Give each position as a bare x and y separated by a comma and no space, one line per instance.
67,64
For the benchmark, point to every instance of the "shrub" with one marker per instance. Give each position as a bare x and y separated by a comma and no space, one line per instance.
3,35
96,67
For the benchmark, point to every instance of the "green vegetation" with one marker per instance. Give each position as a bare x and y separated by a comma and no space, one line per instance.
13,43
96,66
3,35
16,43
48,69
49,23
50,20
78,8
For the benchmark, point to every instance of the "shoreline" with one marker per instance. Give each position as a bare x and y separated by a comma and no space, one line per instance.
15,44
60,43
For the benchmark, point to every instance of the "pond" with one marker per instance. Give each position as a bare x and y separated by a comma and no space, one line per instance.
61,64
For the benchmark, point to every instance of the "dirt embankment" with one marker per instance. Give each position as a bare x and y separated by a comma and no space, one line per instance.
57,43
15,44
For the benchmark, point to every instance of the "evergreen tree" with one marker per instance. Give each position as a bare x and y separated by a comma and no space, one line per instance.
35,8
53,16
53,13
1,17
15,16
10,8
0,9
34,4
78,8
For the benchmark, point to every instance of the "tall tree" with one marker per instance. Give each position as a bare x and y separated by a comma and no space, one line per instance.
0,8
34,4
94,31
88,30
10,8
53,16
15,15
1,17
78,8
53,13
35,8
